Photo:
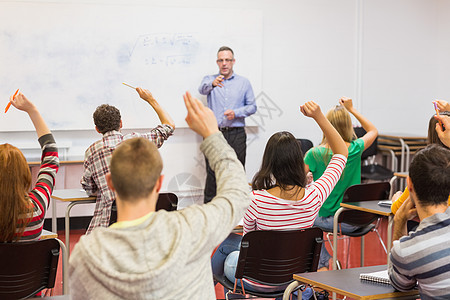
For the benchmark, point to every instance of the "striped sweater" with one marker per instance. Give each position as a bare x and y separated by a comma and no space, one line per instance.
267,212
423,258
41,193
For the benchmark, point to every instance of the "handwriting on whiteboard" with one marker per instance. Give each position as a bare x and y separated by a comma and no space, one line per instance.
165,49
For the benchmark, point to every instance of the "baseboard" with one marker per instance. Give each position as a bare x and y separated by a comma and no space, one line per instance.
75,223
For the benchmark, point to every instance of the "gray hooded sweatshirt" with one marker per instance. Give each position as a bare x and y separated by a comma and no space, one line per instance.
168,256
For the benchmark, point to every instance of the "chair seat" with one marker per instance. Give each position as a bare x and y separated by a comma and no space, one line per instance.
223,280
361,231
376,172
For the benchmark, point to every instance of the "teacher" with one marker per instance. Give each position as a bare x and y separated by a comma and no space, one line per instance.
231,98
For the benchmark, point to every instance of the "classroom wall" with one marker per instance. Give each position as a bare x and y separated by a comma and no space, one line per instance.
390,56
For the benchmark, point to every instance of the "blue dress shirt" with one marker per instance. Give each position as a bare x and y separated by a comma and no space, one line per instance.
236,94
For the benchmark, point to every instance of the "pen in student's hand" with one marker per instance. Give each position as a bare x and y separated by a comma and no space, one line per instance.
9,104
437,114
128,85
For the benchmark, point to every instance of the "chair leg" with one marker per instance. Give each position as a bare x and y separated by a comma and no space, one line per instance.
378,234
338,263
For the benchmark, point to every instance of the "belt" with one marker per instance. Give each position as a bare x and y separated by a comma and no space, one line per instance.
228,128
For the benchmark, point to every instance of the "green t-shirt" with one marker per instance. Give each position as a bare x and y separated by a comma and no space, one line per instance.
318,158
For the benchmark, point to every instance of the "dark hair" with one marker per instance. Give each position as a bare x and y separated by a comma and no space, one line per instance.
136,166
430,174
225,48
107,118
433,138
282,163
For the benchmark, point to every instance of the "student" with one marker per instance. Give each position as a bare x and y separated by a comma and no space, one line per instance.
433,138
317,160
423,258
281,200
96,163
444,135
22,211
152,254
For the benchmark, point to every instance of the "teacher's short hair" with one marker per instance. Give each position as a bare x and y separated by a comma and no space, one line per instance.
225,48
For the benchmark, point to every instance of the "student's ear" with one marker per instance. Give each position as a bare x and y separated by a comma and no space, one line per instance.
159,182
410,185
96,128
109,181
120,124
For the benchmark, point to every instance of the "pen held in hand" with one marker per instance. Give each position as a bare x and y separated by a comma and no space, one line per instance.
128,85
437,114
9,103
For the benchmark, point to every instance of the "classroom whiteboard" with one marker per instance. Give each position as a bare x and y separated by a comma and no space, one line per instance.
70,58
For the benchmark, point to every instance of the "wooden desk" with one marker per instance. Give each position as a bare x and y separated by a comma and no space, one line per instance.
346,282
75,197
365,206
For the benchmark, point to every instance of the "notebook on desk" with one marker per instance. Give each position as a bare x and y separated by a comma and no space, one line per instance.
380,277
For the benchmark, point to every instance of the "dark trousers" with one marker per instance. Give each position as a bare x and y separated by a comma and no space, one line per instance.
237,139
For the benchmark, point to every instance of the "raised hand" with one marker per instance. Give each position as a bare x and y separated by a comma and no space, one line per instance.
201,119
311,109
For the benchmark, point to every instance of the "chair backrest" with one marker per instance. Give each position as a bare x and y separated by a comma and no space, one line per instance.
26,268
167,201
305,144
363,192
372,150
272,257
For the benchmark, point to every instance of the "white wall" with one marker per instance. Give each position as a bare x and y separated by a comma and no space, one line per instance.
392,54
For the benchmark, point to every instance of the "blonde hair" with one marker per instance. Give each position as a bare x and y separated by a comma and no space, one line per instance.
16,210
339,117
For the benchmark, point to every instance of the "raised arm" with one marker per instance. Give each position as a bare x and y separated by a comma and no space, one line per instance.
371,130
337,144
163,116
22,103
444,135
443,105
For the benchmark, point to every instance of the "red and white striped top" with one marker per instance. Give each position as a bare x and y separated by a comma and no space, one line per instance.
267,212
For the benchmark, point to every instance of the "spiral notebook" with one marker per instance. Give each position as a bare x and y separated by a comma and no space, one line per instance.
380,277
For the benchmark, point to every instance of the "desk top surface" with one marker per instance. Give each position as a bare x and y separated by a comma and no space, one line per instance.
347,282
397,135
71,195
48,235
368,206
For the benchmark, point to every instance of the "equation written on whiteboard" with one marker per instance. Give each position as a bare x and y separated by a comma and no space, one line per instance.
165,49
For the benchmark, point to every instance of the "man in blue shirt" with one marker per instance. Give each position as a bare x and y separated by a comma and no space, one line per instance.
231,98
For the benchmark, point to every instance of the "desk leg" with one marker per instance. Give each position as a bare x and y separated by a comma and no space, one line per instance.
389,235
54,226
289,289
67,221
65,266
402,157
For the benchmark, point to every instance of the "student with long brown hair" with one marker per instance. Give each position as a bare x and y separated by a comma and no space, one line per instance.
22,211
281,199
